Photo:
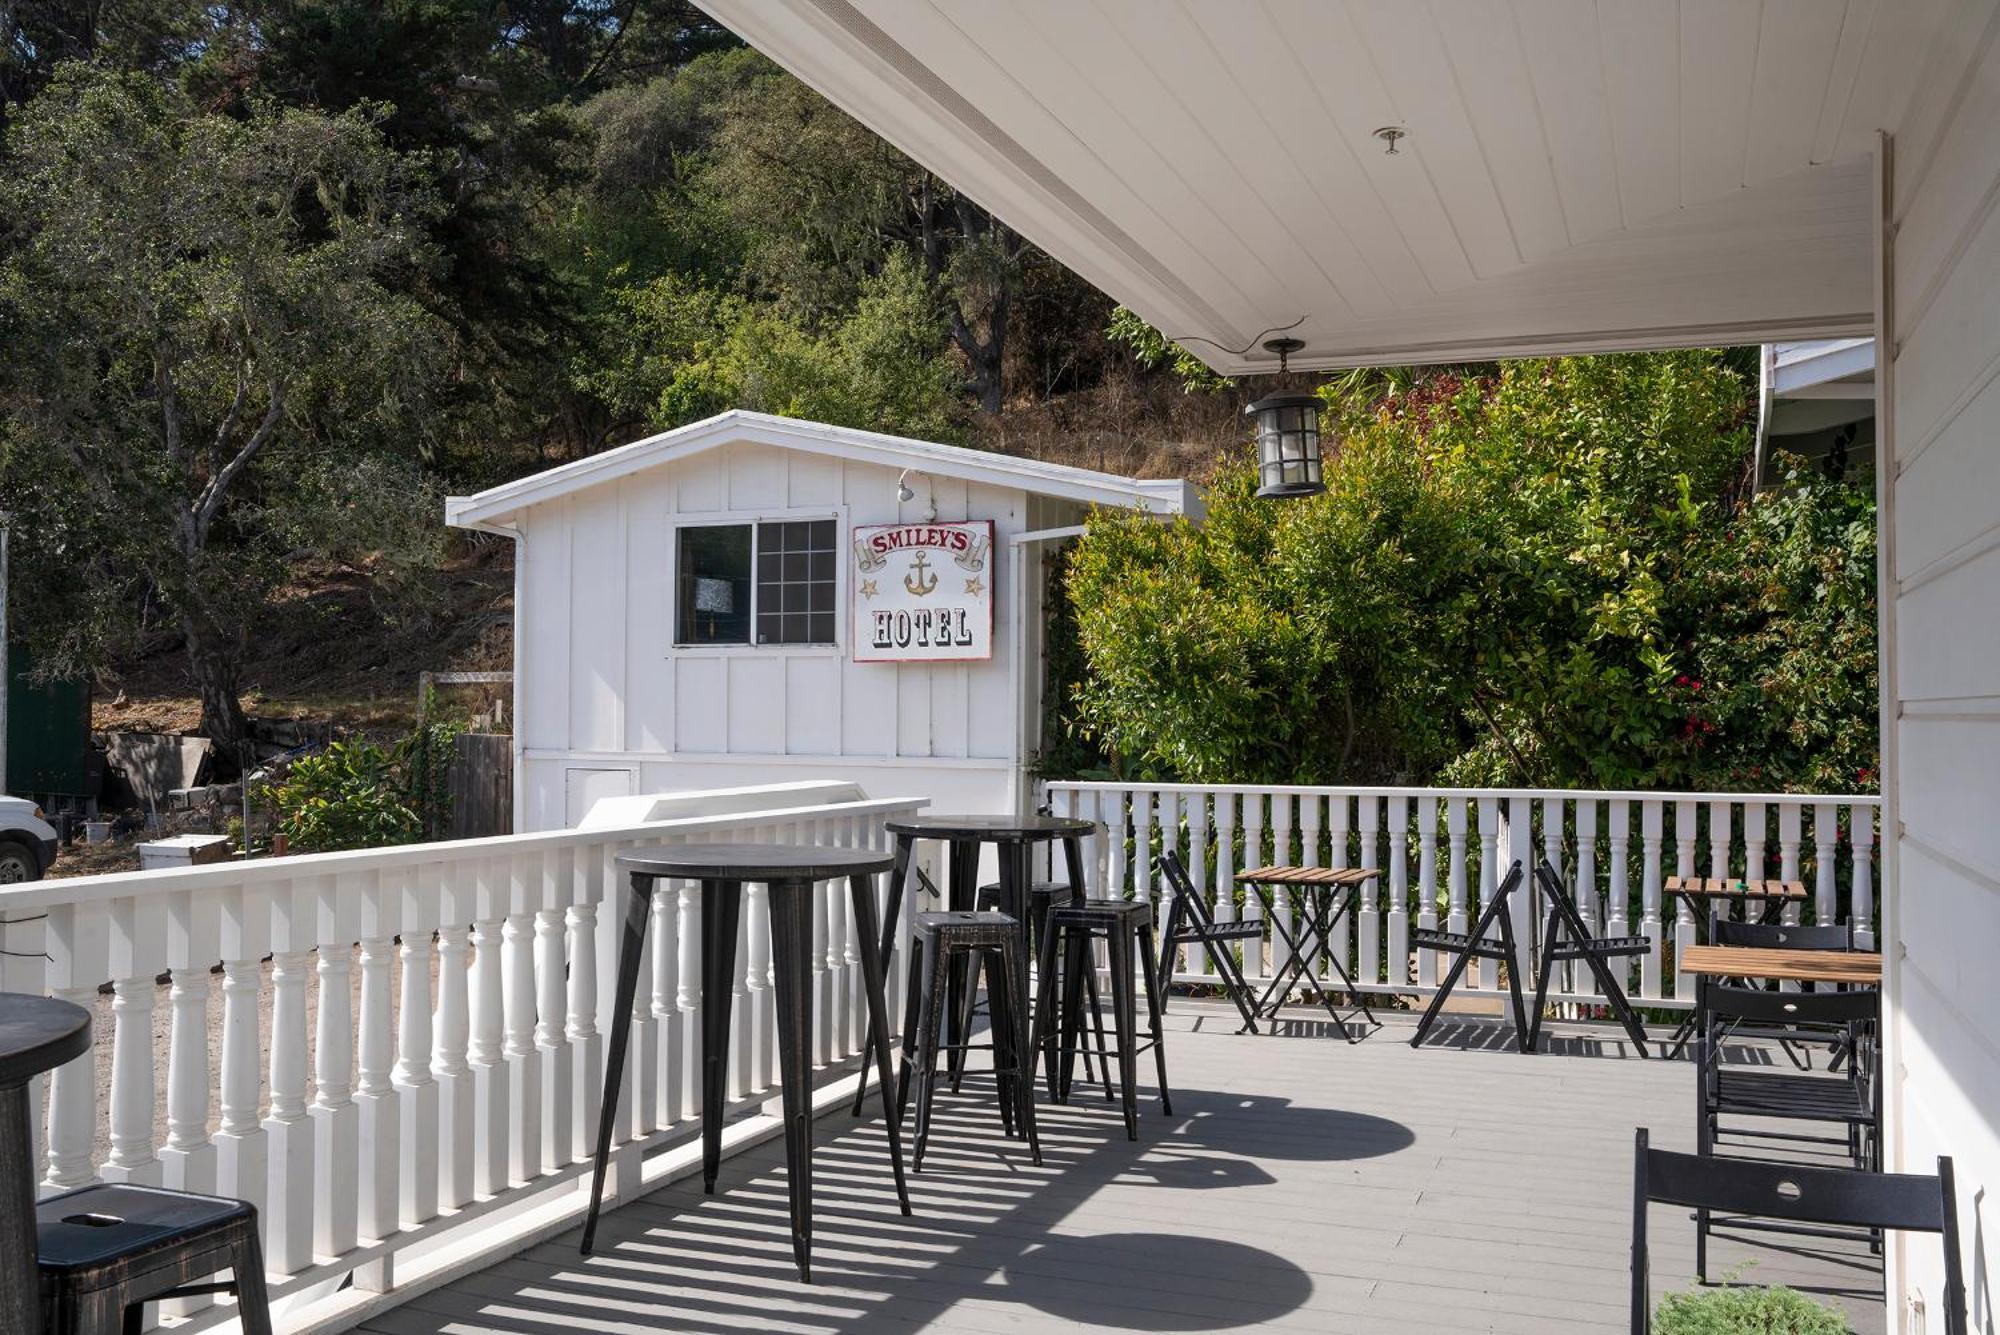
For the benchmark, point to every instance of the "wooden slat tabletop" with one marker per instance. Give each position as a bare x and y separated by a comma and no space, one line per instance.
1306,875
1712,887
1860,967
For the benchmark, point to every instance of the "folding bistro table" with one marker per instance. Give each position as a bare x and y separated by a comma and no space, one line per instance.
1708,897
1320,897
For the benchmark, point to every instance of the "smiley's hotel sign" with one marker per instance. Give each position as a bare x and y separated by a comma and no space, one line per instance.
923,592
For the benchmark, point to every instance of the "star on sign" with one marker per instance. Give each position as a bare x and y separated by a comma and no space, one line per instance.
974,587
867,588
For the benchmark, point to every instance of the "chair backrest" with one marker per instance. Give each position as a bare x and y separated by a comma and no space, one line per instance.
1778,936
1721,1001
1799,1193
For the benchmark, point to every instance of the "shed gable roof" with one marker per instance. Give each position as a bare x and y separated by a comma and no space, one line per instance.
1171,496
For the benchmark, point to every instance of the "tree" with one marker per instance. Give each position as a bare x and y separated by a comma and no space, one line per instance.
216,364
822,202
1543,576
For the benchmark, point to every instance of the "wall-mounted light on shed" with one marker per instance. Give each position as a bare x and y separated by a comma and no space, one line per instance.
1288,463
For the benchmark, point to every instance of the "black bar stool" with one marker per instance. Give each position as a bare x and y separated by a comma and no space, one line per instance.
1126,926
105,1251
991,939
1043,896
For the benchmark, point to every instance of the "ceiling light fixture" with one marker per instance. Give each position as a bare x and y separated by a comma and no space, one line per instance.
1389,134
1288,462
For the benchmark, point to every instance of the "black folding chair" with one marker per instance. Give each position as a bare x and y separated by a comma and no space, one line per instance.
1851,1100
1566,939
1821,1201
1478,944
1779,936
1190,920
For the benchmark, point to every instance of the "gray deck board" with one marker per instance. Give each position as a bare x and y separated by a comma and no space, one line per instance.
1301,1184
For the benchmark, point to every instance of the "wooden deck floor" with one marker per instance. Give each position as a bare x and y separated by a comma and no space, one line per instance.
1300,1184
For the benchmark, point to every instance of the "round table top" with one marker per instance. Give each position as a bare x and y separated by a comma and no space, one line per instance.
763,863
38,1034
991,829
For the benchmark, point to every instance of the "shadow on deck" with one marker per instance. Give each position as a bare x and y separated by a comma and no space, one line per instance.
1305,1186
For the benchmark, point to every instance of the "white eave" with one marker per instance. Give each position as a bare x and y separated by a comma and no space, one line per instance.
1161,497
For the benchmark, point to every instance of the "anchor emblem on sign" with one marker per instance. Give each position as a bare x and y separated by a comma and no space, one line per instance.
920,580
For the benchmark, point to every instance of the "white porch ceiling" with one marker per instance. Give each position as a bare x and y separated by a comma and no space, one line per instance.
1579,175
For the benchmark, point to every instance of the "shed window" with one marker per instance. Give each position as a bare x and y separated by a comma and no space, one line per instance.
777,579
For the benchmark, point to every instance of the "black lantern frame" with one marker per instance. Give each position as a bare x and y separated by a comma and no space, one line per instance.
1288,461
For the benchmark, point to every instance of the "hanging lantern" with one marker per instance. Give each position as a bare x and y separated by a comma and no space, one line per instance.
1288,462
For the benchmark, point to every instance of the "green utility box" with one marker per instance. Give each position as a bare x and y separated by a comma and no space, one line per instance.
48,733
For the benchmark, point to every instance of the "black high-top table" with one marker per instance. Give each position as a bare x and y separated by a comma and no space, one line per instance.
1013,839
36,1034
790,871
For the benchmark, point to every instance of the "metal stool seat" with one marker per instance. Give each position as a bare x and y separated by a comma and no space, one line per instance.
105,1251
1126,927
992,939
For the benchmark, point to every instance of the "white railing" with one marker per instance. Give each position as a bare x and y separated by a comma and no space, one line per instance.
459,1074
1443,851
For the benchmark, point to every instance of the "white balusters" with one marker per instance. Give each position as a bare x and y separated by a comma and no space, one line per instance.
132,1083
485,1051
685,1022
1861,912
288,1132
1197,961
1618,899
416,1090
187,1160
72,1115
335,1119
1826,841
524,1060
1589,903
1491,873
1228,860
586,1045
1368,931
552,1013
1427,885
451,1036
378,1212
1757,824
1652,826
1788,852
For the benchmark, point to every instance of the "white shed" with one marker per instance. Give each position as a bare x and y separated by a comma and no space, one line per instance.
753,599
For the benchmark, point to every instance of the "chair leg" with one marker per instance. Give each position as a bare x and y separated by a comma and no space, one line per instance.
1075,946
1014,1022
1155,1003
253,1301
999,1029
937,974
1048,1033
1090,995
912,1034
967,965
1127,1021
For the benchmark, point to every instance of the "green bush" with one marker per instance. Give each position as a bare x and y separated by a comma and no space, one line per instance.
1548,576
357,795
1733,1311
348,796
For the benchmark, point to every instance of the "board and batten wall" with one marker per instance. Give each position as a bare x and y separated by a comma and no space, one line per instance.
609,705
1940,312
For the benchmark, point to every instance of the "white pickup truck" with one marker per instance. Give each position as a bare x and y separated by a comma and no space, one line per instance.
27,842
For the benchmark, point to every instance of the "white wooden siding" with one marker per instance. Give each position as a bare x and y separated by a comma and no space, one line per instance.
602,678
1945,688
